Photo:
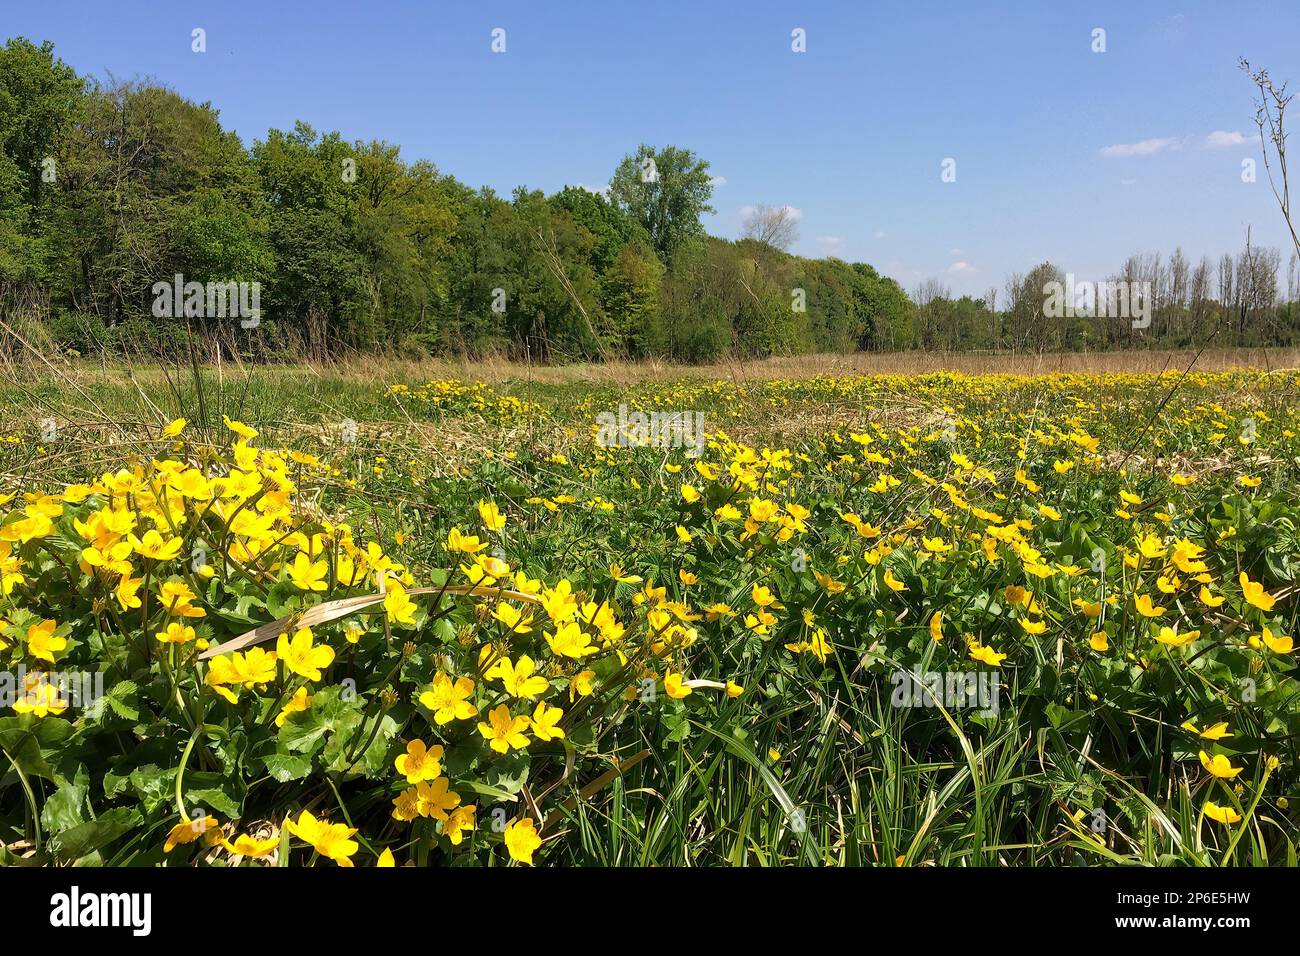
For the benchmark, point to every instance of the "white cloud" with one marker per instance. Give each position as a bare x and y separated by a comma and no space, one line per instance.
832,244
1128,182
961,268
1224,138
1145,147
954,252
598,190
879,234
717,180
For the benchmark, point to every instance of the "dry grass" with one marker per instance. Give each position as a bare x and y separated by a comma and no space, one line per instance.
494,370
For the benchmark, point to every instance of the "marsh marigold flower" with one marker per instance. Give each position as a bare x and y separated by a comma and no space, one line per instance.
1219,765
504,731
330,840
521,840
420,762
1254,593
449,700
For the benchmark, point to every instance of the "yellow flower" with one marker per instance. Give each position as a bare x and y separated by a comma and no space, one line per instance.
246,845
1151,546
192,484
519,679
936,545
492,517
239,428
330,840
176,633
457,822
936,626
1146,608
570,641
515,621
187,831
246,670
544,720
153,546
1279,644
893,582
674,687
420,762
1209,599
301,656
176,596
174,428
559,603
1171,637
818,645
1088,608
1220,814
503,731
829,583
690,494
458,543
1219,766
580,685
449,701
399,608
986,655
1254,593
386,859
522,840
41,642
126,591
300,701
433,799
406,805
1033,627
41,697
1099,642
1213,732
308,575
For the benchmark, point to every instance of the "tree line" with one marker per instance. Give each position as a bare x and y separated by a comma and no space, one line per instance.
1246,299
109,188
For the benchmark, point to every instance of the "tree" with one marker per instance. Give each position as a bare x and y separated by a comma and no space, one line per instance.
666,191
39,94
774,226
151,185
1270,115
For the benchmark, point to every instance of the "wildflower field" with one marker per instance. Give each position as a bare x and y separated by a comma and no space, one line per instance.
925,620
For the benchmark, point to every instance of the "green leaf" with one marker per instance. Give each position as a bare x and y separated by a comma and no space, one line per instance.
284,767
65,808
88,837
509,774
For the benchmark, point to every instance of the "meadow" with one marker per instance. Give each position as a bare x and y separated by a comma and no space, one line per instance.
887,611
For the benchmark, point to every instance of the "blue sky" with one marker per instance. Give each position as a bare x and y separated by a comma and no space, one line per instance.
851,133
